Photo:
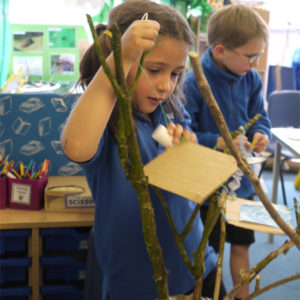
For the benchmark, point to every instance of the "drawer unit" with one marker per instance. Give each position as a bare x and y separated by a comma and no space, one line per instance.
26,237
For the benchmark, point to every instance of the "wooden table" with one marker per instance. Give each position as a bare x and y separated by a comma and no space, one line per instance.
288,138
34,220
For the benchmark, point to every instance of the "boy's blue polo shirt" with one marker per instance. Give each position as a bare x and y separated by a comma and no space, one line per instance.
119,239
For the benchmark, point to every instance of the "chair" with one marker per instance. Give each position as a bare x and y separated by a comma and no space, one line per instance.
280,78
284,111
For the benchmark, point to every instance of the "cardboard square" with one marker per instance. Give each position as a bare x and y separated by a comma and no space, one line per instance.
190,170
233,207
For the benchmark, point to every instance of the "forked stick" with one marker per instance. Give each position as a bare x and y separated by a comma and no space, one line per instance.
241,161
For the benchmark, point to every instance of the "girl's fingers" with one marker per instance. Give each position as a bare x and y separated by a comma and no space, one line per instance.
194,139
171,128
177,134
139,37
190,136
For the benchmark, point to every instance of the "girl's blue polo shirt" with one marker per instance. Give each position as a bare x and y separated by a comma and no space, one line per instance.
119,241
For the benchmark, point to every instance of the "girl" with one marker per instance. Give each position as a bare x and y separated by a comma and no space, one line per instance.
88,138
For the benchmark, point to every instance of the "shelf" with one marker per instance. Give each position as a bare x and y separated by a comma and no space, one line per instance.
18,218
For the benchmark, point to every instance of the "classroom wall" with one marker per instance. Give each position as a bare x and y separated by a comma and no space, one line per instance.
30,129
46,52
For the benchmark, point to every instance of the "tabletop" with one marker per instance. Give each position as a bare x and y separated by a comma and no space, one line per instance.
289,137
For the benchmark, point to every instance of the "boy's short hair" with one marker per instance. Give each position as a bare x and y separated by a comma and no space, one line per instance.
234,25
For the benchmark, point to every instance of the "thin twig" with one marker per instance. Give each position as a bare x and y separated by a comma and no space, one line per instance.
271,286
249,276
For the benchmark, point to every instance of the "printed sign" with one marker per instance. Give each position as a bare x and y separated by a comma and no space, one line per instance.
76,201
21,193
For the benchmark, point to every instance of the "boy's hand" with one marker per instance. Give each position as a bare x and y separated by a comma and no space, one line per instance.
221,143
178,132
260,142
140,36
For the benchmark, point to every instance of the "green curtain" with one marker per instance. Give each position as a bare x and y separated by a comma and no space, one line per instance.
5,41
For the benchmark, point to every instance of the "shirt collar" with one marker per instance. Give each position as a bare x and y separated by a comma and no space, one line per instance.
208,63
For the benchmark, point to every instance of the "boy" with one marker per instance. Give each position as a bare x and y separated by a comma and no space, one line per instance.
237,36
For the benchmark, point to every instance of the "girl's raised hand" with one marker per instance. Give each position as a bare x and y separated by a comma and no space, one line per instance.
139,37
178,132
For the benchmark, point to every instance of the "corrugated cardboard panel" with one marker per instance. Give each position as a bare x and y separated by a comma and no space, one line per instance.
190,170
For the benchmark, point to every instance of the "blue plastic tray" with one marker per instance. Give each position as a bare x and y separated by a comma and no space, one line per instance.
14,270
14,240
61,292
65,268
66,239
16,293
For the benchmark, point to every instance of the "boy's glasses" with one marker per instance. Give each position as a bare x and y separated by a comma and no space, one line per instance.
251,58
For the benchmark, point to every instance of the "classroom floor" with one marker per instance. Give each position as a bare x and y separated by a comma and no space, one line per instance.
284,265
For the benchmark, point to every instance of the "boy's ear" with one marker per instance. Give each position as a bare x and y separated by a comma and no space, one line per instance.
219,51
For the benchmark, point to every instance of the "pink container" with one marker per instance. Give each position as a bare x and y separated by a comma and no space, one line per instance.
26,193
3,192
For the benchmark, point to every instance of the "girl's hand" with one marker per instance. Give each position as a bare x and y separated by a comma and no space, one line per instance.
140,36
178,132
260,142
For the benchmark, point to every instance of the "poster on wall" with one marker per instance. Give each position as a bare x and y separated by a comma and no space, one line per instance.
62,64
29,65
61,38
28,41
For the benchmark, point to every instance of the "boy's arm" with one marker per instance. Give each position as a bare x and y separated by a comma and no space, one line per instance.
194,107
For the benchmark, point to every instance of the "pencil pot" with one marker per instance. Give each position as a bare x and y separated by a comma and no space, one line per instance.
3,192
26,193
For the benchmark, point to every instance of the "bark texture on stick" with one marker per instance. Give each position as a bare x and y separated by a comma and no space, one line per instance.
222,205
241,161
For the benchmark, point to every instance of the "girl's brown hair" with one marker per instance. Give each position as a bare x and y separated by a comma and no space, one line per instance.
172,24
234,25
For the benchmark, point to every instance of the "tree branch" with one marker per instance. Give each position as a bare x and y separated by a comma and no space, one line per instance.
241,161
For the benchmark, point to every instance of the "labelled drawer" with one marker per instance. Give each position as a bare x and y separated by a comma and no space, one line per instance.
62,269
14,270
14,241
61,292
65,239
15,293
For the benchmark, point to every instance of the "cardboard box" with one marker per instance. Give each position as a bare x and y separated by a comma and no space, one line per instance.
68,194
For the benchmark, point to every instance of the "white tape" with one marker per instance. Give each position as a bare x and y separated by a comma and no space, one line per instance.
160,134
